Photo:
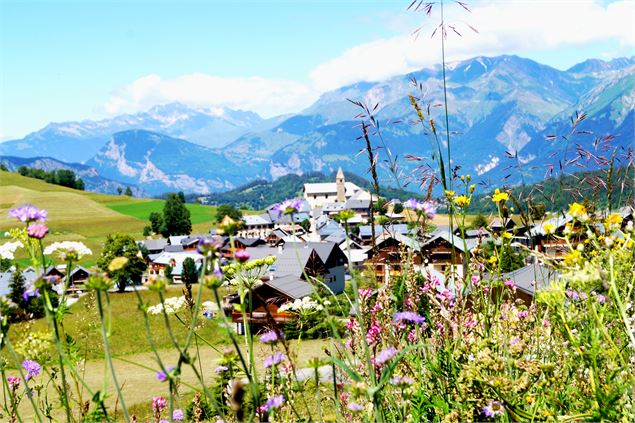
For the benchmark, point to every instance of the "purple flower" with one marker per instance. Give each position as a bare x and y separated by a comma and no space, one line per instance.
241,255
32,368
178,415
209,245
493,408
288,206
384,356
163,376
221,369
28,213
402,381
355,407
408,316
274,360
270,337
272,403
37,230
29,293
510,284
601,298
427,208
159,404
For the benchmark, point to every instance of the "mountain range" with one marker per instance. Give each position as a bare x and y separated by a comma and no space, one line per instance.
504,112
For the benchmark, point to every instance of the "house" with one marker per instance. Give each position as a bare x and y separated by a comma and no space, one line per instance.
79,275
365,231
319,194
553,247
445,250
258,225
498,225
153,246
387,258
158,263
530,278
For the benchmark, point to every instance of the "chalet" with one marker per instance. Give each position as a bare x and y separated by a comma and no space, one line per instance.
386,259
498,225
258,225
365,231
530,278
78,276
159,262
438,252
551,246
153,246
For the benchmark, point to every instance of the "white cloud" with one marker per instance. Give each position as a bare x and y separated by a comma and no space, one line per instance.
519,27
506,27
266,96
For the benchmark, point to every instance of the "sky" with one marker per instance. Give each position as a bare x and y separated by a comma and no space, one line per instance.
90,59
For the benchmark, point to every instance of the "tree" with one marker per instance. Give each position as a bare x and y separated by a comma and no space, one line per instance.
119,190
122,245
27,307
228,210
147,231
397,208
176,217
128,192
189,275
80,184
479,221
537,211
156,222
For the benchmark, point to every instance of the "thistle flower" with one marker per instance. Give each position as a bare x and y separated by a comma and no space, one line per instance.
408,316
28,213
500,196
32,368
37,230
241,256
493,409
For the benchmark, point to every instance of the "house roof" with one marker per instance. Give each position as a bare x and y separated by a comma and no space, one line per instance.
330,188
336,237
497,222
257,219
166,257
291,285
249,242
401,228
455,240
173,248
79,269
176,239
153,244
558,221
531,277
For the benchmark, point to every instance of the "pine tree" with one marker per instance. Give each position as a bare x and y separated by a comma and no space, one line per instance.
176,217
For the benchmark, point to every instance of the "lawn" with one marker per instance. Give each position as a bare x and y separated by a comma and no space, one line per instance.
142,209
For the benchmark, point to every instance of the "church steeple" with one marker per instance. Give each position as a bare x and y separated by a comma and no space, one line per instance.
341,186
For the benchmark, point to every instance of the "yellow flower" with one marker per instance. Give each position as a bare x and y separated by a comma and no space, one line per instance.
613,221
572,258
499,196
577,210
506,235
472,188
549,228
449,194
462,201
493,259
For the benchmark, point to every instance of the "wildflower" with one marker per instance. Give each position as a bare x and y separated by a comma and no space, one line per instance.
208,246
156,283
163,376
7,250
572,258
364,293
462,201
355,407
577,210
68,249
214,280
402,381
493,408
613,220
171,305
178,415
272,403
270,337
221,369
500,196
28,213
408,316
549,228
449,193
14,382
476,280
274,360
510,284
288,206
374,334
37,230
32,368
241,256
384,356
159,404
601,298
426,208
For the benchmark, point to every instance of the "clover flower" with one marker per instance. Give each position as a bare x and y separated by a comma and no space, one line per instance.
37,230
68,249
7,250
493,408
408,316
385,355
32,368
28,213
274,360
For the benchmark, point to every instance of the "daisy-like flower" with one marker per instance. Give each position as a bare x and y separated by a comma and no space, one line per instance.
68,249
499,196
549,228
288,207
7,250
462,201
28,213
493,409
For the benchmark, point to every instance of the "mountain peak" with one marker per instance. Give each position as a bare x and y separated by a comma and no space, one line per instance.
599,65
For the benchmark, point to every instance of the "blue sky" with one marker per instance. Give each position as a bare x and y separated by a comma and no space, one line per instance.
91,59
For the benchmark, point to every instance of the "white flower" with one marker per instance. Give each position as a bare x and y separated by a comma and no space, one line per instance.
172,305
68,247
8,249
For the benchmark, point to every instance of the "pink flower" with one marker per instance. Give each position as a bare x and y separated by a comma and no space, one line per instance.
476,280
37,230
241,256
374,334
159,404
510,284
364,293
412,336
14,382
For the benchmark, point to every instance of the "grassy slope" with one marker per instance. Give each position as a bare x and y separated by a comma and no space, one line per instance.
85,216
